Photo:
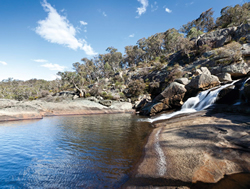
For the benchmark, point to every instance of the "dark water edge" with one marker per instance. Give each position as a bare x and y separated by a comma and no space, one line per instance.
96,151
234,181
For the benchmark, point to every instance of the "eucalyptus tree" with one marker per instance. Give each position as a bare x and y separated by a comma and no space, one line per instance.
234,16
204,23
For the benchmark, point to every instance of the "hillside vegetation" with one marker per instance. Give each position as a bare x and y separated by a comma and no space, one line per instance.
152,64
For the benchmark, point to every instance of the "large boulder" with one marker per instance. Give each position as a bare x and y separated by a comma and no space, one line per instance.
183,81
203,81
237,69
224,77
171,97
245,50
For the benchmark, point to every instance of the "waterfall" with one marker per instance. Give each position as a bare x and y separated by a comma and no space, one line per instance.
194,104
241,91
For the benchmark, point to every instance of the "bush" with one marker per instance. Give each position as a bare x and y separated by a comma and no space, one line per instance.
87,95
136,87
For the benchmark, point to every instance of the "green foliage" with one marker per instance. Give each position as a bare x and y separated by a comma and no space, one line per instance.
233,16
122,95
136,87
204,23
87,95
194,33
243,40
30,89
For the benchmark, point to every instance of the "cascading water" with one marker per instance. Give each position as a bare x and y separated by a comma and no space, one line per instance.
241,91
194,104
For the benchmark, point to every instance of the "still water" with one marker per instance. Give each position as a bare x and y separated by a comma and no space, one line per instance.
95,151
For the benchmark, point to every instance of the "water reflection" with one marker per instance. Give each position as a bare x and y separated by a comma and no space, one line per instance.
95,151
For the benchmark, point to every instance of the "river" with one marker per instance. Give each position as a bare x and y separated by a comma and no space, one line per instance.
95,151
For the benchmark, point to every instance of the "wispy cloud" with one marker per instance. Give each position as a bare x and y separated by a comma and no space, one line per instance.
141,10
104,14
57,29
190,3
2,62
39,60
154,6
55,67
168,10
83,23
132,35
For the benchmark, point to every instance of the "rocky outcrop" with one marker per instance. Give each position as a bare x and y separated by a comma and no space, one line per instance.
196,151
171,97
203,81
224,77
18,110
216,38
236,70
220,37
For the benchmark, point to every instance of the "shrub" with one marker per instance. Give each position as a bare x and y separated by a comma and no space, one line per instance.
136,87
87,95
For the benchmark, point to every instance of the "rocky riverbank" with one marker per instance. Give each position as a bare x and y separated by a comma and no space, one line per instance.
11,110
196,151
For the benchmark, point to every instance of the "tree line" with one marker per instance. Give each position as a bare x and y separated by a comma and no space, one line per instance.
157,46
145,53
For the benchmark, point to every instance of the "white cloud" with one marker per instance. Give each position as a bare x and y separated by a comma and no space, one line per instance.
132,35
168,10
83,23
40,60
2,62
54,67
104,14
57,29
142,9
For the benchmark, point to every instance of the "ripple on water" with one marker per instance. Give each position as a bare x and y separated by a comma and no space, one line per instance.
66,152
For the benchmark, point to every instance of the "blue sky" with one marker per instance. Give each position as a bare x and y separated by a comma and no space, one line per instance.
38,38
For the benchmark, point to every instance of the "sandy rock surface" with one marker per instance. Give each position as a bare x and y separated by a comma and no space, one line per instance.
14,110
195,149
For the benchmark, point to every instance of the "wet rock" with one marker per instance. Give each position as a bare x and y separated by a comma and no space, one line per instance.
246,92
228,95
